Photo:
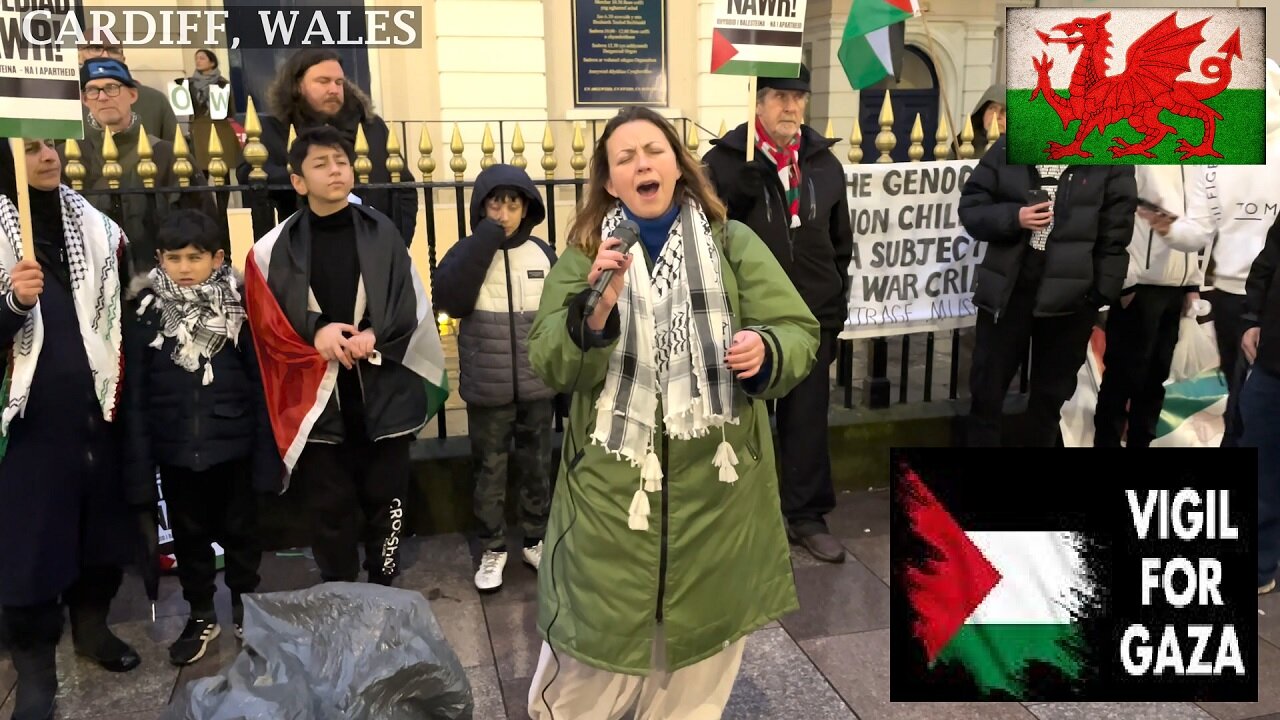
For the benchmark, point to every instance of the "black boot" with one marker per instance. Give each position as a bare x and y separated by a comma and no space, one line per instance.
94,640
32,635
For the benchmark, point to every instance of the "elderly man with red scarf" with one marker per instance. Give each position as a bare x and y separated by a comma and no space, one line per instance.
792,194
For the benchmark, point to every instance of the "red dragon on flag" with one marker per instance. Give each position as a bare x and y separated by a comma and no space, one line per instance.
1148,85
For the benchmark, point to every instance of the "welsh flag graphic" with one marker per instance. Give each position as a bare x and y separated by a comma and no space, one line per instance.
1119,86
865,52
997,603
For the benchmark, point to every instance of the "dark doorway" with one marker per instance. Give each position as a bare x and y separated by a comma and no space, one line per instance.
916,92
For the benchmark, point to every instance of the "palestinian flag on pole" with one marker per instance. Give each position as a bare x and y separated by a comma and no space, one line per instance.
866,52
758,37
998,603
298,381
1182,86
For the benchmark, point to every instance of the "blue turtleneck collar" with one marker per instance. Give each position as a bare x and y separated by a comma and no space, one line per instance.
653,232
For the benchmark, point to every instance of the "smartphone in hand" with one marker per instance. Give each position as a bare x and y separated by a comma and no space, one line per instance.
1152,207
1036,196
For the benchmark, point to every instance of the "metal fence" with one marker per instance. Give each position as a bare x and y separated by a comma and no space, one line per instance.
873,389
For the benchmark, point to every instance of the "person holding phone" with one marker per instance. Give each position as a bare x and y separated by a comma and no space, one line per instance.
1056,238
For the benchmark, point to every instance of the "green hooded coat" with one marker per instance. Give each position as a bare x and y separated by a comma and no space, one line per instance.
714,564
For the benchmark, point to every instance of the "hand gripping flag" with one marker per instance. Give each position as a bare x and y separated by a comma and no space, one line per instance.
299,382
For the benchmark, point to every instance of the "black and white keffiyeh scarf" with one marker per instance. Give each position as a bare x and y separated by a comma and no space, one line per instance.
201,317
675,329
94,244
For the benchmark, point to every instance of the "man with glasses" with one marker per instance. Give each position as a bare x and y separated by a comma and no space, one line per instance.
151,105
110,96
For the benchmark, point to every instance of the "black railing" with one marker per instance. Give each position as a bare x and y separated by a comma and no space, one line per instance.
917,352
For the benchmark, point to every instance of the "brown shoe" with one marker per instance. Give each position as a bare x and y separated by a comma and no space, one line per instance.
823,546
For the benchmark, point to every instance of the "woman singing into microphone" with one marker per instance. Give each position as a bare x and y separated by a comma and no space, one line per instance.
666,545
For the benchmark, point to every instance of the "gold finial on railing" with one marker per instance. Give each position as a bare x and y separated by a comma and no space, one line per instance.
724,129
363,165
578,161
146,166
75,169
293,135
691,138
395,163
885,141
217,168
517,149
915,151
182,167
426,163
855,142
993,130
487,147
255,153
548,152
458,164
942,150
111,169
830,132
966,140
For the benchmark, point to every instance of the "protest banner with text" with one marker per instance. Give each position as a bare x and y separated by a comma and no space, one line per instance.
913,263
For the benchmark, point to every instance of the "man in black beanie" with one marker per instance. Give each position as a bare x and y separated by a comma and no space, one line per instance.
793,196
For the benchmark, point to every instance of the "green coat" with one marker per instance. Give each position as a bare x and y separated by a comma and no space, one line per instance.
728,567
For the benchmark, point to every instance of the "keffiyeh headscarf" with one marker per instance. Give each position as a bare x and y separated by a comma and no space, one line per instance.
675,329
201,317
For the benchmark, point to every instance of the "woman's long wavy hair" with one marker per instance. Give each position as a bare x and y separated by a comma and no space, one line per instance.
584,233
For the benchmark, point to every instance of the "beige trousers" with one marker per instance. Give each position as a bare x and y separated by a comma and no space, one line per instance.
582,692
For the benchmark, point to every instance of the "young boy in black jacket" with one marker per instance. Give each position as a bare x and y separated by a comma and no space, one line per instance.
196,402
493,280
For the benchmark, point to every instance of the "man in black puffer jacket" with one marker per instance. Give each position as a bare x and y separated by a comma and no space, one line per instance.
1051,262
792,194
195,409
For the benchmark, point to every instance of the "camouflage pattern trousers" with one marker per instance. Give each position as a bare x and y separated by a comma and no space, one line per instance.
492,430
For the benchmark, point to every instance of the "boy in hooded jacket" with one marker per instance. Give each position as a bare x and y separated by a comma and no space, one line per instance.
492,280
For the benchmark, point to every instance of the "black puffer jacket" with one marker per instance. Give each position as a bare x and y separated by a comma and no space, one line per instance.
494,284
1262,301
172,418
815,255
1087,255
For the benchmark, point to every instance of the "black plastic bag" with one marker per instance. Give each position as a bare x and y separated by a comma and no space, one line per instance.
348,651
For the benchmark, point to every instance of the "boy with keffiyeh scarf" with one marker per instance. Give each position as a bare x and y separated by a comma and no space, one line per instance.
195,396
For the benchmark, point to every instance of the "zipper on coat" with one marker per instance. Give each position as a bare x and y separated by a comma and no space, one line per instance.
511,324
662,554
1150,235
813,204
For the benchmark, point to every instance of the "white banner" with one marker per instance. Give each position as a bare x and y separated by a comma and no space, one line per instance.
179,97
913,263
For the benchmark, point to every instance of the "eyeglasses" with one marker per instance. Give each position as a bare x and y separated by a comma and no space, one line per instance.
111,90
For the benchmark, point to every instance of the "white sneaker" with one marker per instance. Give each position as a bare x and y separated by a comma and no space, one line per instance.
489,576
533,555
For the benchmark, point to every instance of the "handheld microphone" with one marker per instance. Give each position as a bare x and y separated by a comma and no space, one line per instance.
629,233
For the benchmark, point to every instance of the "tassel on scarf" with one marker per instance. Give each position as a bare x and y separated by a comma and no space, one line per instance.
208,373
638,515
725,459
652,472
795,221
158,342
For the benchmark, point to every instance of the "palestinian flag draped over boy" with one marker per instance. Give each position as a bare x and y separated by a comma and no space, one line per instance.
299,383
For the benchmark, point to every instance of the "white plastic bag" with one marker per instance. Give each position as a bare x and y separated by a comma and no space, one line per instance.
1196,351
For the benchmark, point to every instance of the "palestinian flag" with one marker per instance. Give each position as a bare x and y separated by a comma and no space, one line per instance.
298,381
866,51
996,603
39,84
758,37
1028,575
1180,86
